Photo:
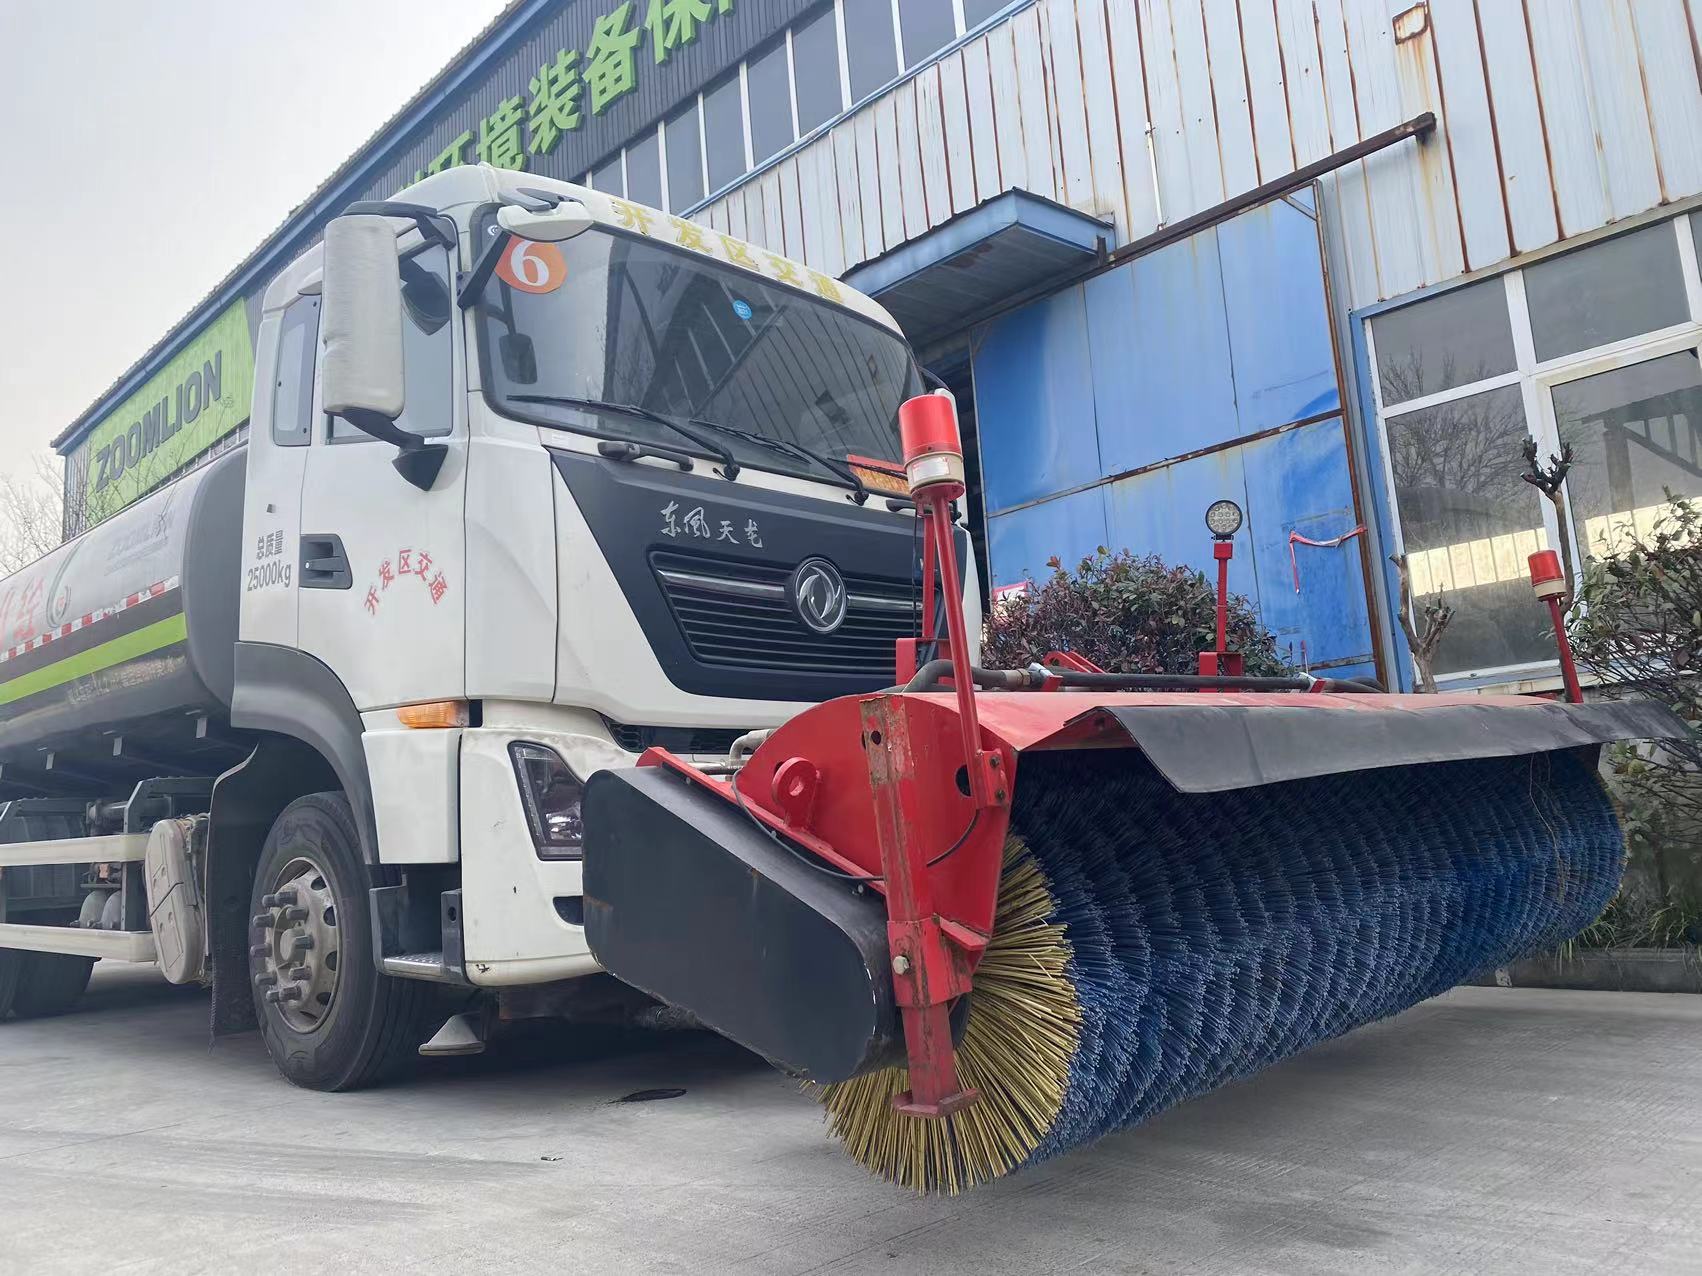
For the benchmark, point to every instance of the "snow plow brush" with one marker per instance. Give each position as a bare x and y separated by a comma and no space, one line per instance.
992,923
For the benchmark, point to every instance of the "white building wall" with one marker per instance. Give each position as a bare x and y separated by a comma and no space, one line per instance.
1555,117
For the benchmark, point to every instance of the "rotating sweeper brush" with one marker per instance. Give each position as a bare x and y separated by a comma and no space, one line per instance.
992,923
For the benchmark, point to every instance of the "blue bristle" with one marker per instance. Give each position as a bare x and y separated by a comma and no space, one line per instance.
1214,934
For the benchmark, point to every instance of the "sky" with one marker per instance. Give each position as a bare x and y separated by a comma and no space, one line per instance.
154,145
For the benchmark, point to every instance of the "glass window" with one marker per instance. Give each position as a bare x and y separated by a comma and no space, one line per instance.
644,170
292,389
768,84
1469,523
724,132
975,12
815,69
606,177
869,45
1606,292
1636,435
426,351
739,360
1453,339
685,161
928,26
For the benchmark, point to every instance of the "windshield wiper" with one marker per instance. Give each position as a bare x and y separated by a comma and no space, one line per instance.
729,465
848,476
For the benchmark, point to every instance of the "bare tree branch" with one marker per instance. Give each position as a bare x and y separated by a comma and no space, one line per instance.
1437,616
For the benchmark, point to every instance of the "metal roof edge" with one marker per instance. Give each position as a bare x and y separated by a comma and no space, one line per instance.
479,52
961,231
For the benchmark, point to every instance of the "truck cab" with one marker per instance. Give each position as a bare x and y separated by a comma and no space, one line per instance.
537,479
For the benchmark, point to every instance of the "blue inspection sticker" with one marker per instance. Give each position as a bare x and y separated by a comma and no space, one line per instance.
742,308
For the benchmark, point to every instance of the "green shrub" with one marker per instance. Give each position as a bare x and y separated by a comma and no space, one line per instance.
1638,629
1127,614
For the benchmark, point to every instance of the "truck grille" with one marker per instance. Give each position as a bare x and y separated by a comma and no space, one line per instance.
736,615
636,738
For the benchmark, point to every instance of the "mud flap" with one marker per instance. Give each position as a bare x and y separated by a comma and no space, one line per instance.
687,899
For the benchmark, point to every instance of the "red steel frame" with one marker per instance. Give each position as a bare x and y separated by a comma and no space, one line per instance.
909,793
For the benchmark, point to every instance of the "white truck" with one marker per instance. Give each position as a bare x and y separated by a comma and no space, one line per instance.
535,479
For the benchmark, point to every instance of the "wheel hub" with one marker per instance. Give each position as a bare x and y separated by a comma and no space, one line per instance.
295,958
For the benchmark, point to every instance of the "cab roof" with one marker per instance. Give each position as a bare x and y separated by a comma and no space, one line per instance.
471,185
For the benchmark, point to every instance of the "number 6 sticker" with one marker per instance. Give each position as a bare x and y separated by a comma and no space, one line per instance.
532,267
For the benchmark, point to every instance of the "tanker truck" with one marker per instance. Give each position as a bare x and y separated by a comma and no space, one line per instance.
536,479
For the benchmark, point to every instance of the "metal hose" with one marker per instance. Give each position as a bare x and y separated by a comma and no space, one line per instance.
928,678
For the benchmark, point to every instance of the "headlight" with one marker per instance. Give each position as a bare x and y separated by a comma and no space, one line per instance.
551,795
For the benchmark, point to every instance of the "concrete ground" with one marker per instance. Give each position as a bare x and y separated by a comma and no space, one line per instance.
1492,1130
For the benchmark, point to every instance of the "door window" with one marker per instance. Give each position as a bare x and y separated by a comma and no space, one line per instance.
292,384
427,355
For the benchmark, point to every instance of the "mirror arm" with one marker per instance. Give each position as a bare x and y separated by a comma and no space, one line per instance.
427,219
415,460
474,281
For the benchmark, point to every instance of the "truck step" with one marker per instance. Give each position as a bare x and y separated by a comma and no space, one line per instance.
112,848
114,945
422,966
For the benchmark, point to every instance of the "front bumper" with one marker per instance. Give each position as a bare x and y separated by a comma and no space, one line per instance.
515,906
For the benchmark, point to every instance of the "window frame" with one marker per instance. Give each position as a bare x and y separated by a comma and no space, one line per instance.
1536,381
303,305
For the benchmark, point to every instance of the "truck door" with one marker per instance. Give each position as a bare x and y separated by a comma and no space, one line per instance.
380,561
280,432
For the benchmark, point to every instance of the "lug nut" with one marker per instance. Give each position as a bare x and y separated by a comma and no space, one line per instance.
281,899
265,979
290,992
294,915
263,920
260,950
304,943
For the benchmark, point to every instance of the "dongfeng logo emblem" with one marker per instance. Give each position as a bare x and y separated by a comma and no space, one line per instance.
818,595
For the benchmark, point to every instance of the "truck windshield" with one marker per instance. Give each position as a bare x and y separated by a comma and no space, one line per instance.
750,365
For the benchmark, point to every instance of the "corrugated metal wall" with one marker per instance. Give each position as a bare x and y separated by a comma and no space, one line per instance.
1556,117
1115,411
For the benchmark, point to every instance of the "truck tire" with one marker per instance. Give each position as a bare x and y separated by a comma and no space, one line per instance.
330,1018
50,984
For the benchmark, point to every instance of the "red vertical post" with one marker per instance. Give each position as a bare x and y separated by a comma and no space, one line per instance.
1549,581
1220,661
1223,551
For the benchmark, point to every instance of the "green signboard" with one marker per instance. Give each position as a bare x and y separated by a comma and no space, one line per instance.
519,127
195,400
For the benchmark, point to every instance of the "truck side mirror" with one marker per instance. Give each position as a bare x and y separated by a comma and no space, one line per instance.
361,376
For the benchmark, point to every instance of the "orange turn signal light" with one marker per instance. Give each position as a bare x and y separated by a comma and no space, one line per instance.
434,713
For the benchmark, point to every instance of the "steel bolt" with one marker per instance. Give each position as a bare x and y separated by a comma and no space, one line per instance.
900,964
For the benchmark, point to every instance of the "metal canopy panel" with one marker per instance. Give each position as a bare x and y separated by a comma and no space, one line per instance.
944,280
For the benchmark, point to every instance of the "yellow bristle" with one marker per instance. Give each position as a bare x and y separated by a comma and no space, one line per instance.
1023,1026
